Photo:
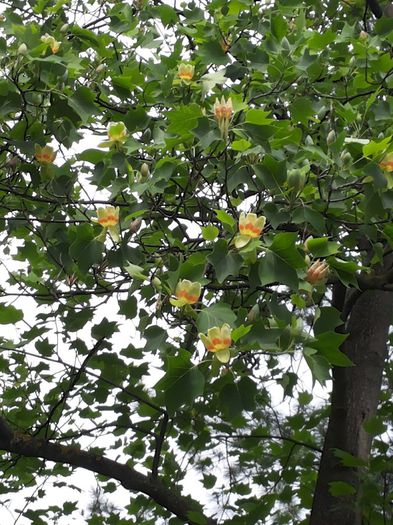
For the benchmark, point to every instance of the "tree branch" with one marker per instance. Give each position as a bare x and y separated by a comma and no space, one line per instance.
170,499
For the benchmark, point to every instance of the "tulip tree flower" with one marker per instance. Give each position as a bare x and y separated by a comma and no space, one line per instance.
386,166
51,42
218,340
250,227
44,155
185,72
186,292
223,113
109,219
317,272
117,134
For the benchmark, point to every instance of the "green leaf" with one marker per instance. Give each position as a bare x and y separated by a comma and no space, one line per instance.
273,269
284,246
374,148
182,382
322,247
224,263
136,271
183,119
210,232
225,218
375,426
10,314
105,329
258,117
348,460
319,366
239,332
215,315
82,102
196,517
341,488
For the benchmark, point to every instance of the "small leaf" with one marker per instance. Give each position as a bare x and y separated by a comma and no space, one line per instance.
340,488
225,218
10,314
135,271
210,232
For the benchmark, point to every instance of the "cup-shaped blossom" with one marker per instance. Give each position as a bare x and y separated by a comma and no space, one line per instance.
186,292
117,134
387,163
108,217
317,272
218,340
185,72
223,111
51,42
250,227
45,154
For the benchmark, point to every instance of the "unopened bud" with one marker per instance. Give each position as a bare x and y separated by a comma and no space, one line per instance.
64,28
345,157
331,137
146,136
100,68
254,314
22,49
296,180
307,243
135,225
363,35
145,172
156,282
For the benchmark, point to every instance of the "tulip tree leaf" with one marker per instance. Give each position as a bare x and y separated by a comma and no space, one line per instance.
182,382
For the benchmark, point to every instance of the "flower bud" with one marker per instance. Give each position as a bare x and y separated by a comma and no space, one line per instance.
345,157
100,68
64,28
296,180
145,172
254,314
331,137
156,282
22,49
363,35
135,225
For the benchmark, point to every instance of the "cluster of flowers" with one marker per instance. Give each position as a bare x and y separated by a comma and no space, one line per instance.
222,109
218,339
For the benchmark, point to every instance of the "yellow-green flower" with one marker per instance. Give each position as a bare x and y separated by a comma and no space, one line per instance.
250,227
223,113
218,340
185,72
117,134
51,42
44,155
186,292
109,219
387,163
317,272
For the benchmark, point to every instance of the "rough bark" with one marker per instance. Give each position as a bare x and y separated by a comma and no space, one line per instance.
169,498
354,400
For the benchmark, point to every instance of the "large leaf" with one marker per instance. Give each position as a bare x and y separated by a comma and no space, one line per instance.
182,382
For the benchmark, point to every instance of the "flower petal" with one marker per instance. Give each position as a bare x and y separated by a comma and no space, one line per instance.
223,355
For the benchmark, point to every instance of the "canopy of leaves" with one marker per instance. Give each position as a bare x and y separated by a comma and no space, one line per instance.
93,353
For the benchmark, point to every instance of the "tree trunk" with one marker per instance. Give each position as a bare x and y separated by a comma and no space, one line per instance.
354,400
